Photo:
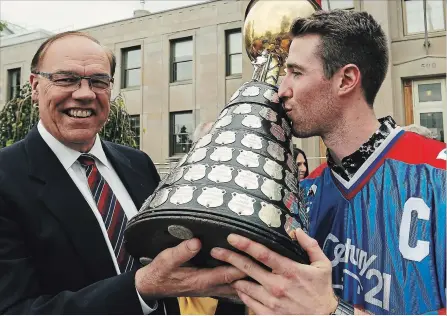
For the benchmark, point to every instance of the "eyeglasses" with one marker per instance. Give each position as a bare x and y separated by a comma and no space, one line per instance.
71,81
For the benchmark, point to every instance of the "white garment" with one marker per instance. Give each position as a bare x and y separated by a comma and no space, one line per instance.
69,159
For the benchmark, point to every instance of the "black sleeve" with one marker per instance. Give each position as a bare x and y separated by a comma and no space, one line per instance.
152,169
21,290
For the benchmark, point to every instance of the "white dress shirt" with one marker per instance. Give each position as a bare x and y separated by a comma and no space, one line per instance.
69,160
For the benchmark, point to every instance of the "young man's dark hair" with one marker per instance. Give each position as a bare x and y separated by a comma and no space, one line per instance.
349,38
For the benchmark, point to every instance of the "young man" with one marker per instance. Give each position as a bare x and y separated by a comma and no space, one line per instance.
377,210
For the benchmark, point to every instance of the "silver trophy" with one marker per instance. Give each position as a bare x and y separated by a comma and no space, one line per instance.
241,177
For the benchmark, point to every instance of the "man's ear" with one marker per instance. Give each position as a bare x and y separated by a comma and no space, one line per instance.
349,79
34,81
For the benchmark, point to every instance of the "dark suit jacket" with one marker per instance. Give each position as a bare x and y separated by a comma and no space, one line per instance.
53,256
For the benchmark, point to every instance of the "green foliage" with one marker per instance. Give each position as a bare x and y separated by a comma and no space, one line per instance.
19,116
2,25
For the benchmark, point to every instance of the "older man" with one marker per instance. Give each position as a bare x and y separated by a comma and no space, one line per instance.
377,210
65,197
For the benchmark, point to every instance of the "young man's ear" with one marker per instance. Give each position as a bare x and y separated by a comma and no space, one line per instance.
350,79
34,81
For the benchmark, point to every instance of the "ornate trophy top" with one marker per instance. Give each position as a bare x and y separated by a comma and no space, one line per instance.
266,34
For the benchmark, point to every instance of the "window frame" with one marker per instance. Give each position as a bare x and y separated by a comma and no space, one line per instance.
124,69
133,128
354,7
418,34
228,54
174,61
10,87
429,106
172,133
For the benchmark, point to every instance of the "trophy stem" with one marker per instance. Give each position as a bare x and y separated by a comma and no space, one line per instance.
267,68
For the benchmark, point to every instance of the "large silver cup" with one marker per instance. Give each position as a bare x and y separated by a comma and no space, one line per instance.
240,177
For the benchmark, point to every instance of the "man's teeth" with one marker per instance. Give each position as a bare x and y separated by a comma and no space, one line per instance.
80,113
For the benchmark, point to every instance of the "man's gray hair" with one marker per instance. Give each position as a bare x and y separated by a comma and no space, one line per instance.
421,130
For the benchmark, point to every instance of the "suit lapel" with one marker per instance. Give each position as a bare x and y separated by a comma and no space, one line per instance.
134,181
66,203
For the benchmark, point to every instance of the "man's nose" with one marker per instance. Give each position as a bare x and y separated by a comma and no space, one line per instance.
84,91
284,90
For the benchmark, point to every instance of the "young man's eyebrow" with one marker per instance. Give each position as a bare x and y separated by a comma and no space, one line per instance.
291,65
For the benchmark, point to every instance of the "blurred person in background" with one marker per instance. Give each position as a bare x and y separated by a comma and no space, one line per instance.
301,163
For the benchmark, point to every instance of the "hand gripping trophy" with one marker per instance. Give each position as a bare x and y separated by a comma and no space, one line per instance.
241,176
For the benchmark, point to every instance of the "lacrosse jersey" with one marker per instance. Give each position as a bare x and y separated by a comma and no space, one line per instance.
380,218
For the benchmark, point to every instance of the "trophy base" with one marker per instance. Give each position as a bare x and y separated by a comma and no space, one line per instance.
156,231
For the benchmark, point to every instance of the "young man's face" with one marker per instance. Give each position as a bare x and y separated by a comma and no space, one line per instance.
72,117
307,94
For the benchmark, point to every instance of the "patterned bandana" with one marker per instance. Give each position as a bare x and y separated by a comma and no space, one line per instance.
350,164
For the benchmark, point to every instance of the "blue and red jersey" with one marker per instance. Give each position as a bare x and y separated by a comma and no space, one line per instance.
384,230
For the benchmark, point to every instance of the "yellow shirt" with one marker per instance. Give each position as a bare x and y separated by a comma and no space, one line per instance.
197,305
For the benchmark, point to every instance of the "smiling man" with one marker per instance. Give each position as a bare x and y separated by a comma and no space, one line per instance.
66,196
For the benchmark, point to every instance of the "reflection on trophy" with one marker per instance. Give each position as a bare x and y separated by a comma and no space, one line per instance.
241,177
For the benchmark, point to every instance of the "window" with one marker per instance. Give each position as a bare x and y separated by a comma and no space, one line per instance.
414,15
181,55
131,67
13,83
135,127
429,106
234,52
337,4
181,129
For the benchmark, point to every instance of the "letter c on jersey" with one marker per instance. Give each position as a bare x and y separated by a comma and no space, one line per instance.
422,247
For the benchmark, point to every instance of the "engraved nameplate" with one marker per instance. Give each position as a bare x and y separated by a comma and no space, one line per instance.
225,121
273,169
270,215
222,154
227,137
247,179
204,141
286,127
198,155
291,163
211,197
182,160
248,158
175,175
291,181
271,189
252,141
241,204
235,95
160,197
221,173
252,121
290,200
291,225
278,132
182,194
276,151
195,172
251,91
268,114
243,108
271,95
223,113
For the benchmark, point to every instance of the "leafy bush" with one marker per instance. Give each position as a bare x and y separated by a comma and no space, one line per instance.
20,115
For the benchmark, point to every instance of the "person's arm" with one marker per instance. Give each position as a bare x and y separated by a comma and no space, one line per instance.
21,289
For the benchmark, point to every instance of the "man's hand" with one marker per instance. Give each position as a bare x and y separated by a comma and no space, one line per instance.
291,287
164,276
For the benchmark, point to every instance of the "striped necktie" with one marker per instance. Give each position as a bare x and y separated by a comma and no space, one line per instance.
111,211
